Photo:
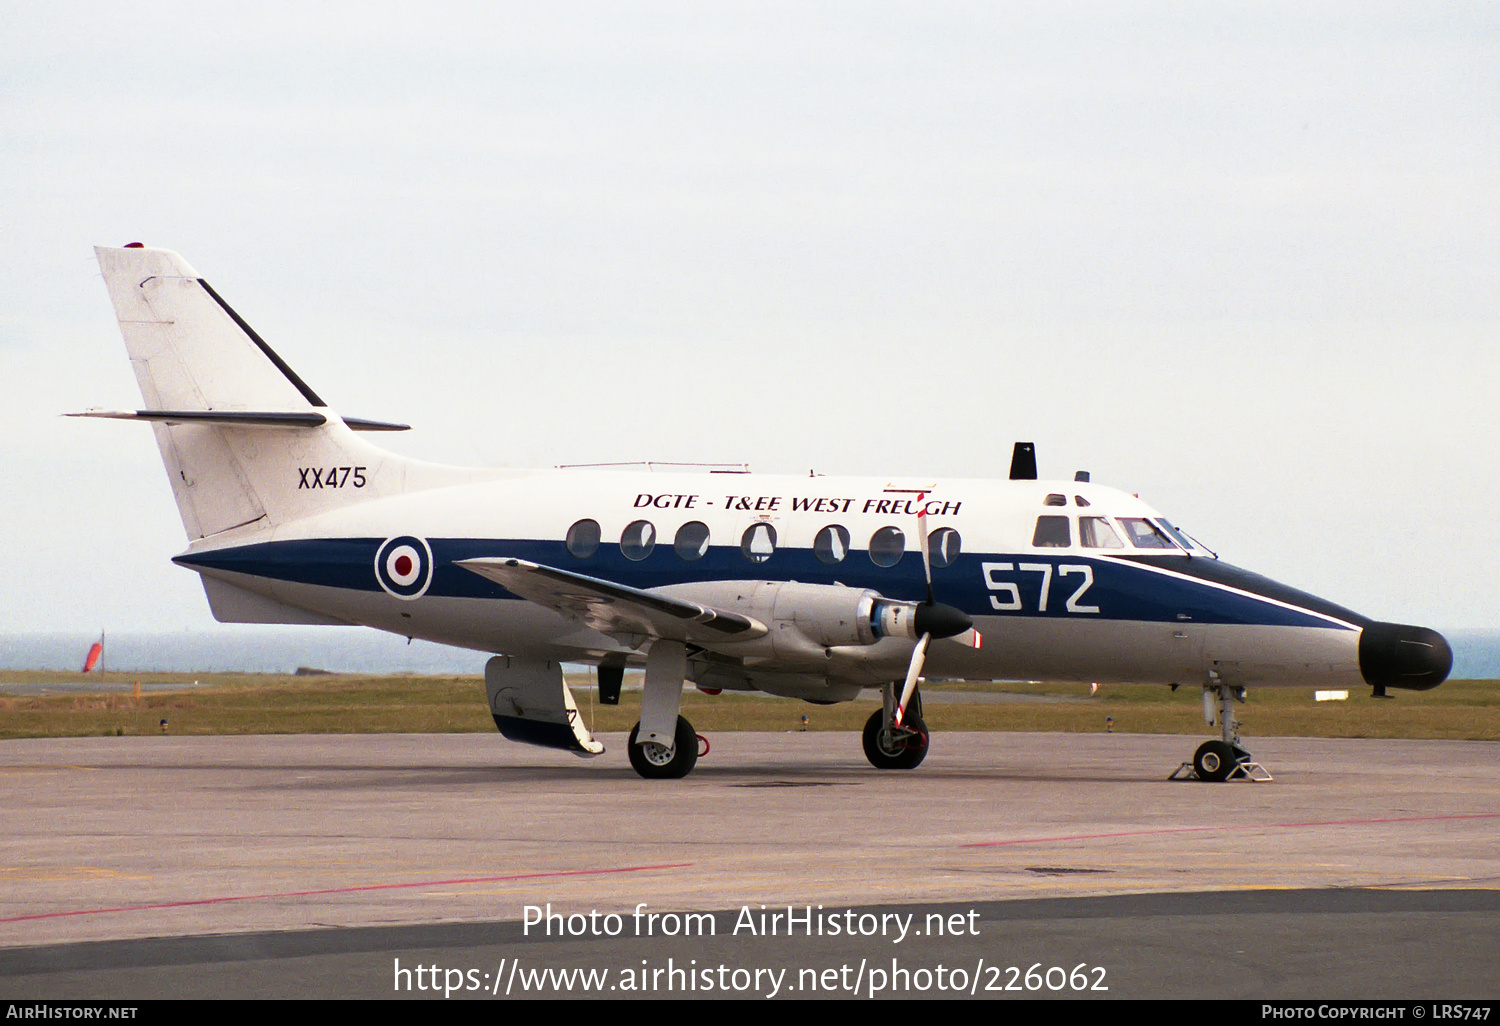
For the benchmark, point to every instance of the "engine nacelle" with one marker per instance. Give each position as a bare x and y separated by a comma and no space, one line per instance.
806,620
830,616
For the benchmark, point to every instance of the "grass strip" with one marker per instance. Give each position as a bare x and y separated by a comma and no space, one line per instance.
217,704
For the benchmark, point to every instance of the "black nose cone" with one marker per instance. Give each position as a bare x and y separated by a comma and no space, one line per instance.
1395,655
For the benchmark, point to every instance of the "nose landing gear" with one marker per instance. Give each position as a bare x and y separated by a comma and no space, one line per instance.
1224,759
1217,760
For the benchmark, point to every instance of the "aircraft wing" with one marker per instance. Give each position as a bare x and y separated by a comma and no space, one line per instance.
614,608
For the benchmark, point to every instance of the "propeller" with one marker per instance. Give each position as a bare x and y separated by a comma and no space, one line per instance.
932,620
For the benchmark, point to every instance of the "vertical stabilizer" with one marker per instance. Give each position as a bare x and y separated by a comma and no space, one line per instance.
192,354
189,350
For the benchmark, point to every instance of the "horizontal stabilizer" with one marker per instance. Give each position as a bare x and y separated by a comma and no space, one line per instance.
361,424
243,418
614,608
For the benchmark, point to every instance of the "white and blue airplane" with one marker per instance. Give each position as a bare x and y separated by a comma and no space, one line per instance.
811,588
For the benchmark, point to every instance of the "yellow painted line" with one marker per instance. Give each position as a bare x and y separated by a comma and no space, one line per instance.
63,873
24,771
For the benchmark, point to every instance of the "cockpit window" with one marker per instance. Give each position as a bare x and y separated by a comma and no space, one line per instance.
1081,501
1095,533
1144,534
637,540
758,542
1055,500
691,543
831,544
887,546
583,539
943,545
1052,533
1177,536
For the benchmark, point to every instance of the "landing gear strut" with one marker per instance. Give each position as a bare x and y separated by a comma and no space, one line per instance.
1224,759
663,745
888,746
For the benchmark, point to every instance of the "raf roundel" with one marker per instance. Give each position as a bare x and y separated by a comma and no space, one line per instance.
403,566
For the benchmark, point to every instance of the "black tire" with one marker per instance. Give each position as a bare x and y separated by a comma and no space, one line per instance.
651,762
904,753
1215,761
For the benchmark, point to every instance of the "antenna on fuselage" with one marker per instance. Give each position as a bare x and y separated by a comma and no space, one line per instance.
1023,462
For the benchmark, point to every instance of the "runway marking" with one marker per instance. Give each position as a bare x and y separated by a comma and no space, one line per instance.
1232,826
59,873
342,890
28,771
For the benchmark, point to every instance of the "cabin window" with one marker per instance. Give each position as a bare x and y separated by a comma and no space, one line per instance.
1095,533
943,544
638,540
759,542
1052,533
583,539
691,543
887,545
1055,500
831,545
1143,534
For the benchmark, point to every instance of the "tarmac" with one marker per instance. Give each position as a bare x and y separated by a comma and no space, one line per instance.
301,866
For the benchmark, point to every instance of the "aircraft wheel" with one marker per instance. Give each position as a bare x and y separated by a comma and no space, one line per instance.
885,752
655,762
1214,761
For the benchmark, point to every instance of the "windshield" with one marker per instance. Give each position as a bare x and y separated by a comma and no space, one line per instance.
1143,534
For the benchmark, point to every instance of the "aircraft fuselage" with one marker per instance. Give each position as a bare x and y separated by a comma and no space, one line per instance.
1063,579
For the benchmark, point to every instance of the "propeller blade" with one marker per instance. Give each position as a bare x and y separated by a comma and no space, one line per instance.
969,638
931,619
926,545
918,657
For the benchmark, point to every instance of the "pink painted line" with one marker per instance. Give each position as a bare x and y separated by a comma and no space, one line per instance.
345,890
1231,826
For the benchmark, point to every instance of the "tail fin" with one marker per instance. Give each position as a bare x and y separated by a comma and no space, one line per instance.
245,441
189,349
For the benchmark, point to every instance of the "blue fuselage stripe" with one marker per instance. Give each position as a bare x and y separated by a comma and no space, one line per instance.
1164,589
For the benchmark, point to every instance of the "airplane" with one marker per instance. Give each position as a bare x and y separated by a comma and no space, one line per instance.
813,588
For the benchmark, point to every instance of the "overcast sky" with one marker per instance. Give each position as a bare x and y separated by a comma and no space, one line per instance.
1241,259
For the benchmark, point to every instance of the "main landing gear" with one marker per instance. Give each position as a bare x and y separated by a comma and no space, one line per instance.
656,761
1223,759
888,746
663,745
